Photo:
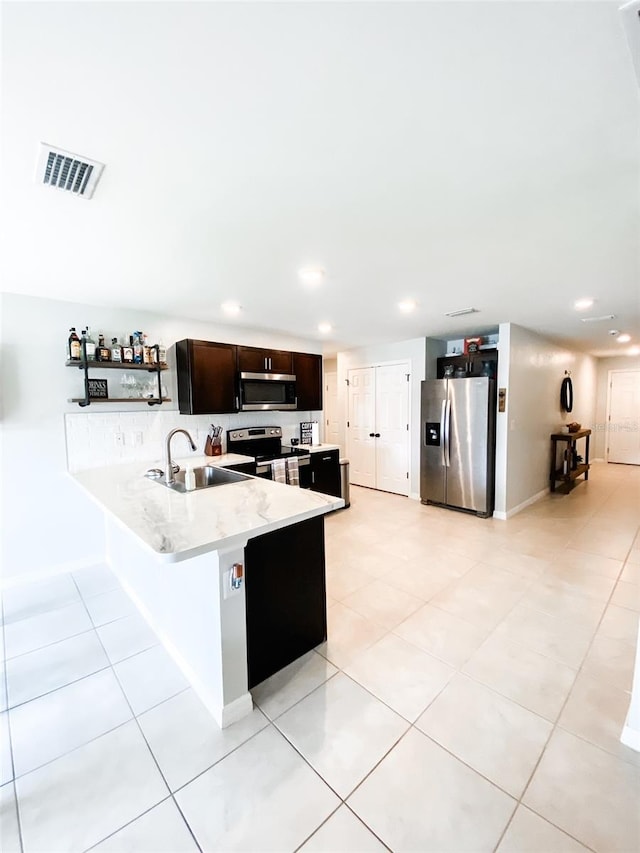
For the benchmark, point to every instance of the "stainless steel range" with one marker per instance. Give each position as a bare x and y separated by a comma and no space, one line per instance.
265,444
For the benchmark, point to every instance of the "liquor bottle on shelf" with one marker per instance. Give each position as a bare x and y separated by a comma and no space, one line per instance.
103,352
162,352
127,351
89,344
116,350
138,348
75,347
147,351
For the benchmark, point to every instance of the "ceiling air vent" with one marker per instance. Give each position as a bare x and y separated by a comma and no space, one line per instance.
65,171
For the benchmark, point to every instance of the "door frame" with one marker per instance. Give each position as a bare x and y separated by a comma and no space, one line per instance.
608,410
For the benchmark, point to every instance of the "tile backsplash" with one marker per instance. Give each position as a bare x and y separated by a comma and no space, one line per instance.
94,440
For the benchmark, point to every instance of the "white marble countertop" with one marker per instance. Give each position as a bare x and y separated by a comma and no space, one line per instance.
319,448
178,525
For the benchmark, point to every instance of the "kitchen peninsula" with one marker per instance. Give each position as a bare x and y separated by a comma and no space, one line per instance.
175,553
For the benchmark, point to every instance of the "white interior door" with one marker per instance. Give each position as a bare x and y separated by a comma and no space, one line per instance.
392,421
331,425
361,419
624,417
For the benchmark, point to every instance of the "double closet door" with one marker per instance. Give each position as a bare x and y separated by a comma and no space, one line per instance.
378,427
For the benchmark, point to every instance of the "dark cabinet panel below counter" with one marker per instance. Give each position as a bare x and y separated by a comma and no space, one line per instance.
325,472
286,602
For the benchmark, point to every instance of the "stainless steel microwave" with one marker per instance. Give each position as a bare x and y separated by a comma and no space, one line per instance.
262,392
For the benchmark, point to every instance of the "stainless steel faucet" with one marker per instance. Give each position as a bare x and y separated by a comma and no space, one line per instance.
168,464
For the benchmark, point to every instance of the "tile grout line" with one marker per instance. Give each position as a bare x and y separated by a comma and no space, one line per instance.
95,737
556,723
137,722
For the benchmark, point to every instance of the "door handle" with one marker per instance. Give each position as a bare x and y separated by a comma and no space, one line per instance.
443,434
377,435
448,434
372,435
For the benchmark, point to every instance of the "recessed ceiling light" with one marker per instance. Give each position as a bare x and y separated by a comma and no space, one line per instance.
232,309
460,311
583,304
311,275
623,339
407,306
324,328
634,350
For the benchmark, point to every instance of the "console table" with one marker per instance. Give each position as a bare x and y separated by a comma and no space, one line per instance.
569,468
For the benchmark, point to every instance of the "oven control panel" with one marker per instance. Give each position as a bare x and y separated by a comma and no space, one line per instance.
254,432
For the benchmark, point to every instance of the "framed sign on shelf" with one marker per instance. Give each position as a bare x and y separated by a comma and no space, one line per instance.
98,389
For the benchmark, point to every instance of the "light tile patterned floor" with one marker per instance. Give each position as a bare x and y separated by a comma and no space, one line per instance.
470,697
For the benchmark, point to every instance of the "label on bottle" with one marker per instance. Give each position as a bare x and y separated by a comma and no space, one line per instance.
116,353
91,351
75,350
127,354
148,355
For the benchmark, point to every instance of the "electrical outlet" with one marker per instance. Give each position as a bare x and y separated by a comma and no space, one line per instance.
138,439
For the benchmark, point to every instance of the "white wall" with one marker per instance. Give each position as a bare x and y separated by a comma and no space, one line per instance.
604,366
533,369
412,351
47,523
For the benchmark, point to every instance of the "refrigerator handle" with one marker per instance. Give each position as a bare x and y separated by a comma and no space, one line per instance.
447,433
443,433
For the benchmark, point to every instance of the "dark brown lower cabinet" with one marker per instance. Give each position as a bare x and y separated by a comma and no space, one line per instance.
325,472
286,600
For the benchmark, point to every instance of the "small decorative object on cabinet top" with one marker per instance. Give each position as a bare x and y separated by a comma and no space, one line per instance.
574,426
471,345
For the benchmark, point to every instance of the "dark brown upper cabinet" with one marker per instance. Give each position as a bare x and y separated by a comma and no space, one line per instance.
256,360
206,377
308,372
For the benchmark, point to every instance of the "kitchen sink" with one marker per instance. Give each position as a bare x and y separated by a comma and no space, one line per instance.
206,476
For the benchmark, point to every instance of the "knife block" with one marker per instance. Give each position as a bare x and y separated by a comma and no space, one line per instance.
213,447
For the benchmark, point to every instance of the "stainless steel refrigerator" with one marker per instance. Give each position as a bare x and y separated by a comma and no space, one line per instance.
458,444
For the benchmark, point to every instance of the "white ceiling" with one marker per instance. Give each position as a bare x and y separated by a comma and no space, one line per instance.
463,154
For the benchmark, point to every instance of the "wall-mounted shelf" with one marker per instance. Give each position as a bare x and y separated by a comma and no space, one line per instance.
117,365
86,365
151,401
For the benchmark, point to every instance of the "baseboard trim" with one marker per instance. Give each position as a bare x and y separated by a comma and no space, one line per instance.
503,516
51,571
236,710
224,715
